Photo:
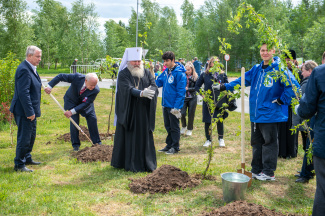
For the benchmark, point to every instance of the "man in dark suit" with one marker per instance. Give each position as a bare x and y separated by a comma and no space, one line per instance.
25,106
79,99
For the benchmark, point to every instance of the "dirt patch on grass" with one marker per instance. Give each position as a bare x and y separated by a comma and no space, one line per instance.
166,178
242,208
66,137
199,176
95,153
115,208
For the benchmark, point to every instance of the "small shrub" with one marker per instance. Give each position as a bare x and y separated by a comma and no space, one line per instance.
8,68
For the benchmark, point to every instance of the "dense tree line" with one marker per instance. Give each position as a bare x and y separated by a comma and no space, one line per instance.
64,35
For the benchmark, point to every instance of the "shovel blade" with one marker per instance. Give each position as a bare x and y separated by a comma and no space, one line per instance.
249,174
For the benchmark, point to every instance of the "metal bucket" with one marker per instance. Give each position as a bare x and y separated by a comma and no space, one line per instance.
234,186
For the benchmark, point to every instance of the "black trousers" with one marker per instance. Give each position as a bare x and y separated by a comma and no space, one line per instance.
319,201
172,128
264,140
306,169
92,127
25,140
219,129
304,136
190,106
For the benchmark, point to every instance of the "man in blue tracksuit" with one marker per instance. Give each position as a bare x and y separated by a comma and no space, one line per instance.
173,80
265,100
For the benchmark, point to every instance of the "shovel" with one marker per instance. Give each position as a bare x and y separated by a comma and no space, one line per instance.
73,122
242,170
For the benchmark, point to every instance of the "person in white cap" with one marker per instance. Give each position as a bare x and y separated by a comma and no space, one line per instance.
135,109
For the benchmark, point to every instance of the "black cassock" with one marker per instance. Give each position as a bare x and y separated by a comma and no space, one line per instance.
134,148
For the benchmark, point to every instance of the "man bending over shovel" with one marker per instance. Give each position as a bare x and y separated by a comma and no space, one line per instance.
79,99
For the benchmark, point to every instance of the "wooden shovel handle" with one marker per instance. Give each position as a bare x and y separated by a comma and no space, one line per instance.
243,116
73,122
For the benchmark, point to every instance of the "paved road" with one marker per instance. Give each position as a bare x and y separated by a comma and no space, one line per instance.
106,83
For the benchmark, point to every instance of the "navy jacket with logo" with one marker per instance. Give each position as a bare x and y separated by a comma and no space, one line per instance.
72,99
263,91
174,85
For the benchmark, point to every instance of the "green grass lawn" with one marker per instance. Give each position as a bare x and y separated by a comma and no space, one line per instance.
63,186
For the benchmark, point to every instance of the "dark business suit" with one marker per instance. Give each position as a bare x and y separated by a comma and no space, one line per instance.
83,104
25,103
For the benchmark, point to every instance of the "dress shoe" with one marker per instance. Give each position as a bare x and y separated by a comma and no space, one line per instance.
75,148
23,169
164,149
33,163
302,180
171,151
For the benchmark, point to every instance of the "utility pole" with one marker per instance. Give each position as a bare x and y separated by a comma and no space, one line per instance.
136,37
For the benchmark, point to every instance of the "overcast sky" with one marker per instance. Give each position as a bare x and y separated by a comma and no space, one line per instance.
121,9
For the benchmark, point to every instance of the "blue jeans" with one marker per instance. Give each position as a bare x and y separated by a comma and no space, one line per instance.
264,140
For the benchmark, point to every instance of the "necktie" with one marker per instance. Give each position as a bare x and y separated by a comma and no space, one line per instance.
83,90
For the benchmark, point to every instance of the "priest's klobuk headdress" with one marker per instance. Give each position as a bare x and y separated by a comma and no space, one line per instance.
130,54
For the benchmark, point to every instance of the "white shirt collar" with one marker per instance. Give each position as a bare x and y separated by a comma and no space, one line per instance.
34,67
83,86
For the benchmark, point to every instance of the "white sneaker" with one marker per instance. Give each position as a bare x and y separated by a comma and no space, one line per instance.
254,175
222,143
183,130
207,143
189,133
263,177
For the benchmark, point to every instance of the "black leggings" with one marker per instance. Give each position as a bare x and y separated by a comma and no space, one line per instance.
219,128
190,105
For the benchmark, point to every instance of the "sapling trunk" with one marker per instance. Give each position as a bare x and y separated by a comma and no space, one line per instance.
110,112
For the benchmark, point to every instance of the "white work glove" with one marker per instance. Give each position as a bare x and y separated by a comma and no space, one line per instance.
176,112
216,86
147,93
296,108
278,101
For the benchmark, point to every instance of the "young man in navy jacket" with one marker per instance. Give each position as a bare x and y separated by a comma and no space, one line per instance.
79,99
173,81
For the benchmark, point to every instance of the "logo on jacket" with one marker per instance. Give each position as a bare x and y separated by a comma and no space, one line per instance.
85,99
268,82
171,79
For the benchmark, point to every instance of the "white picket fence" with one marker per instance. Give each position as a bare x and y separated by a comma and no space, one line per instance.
84,69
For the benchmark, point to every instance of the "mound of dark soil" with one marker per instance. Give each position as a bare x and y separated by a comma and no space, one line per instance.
242,208
95,153
166,178
66,137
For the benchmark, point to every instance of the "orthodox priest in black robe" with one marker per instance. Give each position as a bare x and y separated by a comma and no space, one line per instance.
135,109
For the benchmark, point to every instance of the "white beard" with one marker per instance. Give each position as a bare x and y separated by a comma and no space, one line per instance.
136,71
